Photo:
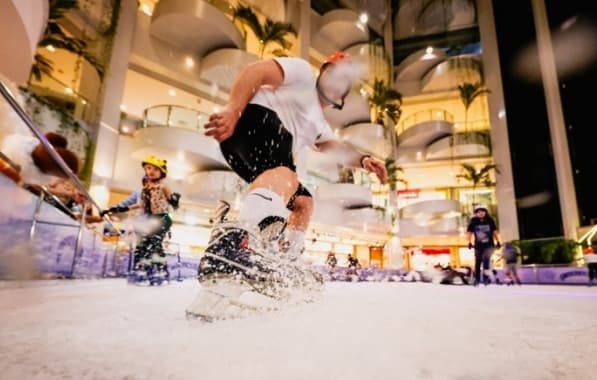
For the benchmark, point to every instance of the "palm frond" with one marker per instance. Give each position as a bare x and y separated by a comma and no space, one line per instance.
247,16
276,31
470,91
58,8
41,66
385,102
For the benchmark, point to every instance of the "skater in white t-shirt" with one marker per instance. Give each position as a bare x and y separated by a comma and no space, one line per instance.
275,110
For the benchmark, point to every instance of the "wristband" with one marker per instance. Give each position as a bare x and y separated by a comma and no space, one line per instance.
363,158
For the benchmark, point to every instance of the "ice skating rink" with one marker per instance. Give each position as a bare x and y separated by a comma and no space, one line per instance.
106,329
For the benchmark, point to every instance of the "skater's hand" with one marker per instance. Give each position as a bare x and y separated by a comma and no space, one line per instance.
175,200
374,165
470,245
221,124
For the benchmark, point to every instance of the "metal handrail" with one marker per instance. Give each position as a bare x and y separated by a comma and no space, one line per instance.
49,148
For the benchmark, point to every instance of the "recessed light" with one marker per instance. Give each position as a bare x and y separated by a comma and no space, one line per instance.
172,92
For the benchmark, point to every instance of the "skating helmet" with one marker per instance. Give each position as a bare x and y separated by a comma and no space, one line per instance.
343,80
157,162
481,207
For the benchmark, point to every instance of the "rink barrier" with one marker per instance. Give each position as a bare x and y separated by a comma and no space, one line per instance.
63,247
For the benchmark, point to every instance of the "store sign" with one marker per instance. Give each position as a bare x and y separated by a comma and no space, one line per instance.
408,193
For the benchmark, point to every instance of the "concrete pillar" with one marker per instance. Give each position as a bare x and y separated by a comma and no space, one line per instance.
107,134
506,198
305,28
557,127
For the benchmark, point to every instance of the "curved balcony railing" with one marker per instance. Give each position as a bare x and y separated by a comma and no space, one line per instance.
54,91
478,125
174,116
423,116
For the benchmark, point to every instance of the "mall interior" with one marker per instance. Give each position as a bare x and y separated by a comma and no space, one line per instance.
462,110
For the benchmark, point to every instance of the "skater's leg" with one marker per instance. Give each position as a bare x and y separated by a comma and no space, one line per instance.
485,256
298,221
157,240
478,260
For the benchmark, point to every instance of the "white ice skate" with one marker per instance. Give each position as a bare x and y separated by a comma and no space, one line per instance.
242,270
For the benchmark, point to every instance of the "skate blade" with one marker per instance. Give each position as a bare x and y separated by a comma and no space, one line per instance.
227,298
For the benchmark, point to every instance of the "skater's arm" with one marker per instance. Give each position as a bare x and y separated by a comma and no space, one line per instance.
262,73
352,158
173,198
497,238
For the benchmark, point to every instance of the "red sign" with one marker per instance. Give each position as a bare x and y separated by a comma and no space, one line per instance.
436,251
408,193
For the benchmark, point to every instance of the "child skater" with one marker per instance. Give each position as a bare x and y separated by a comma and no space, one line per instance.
155,201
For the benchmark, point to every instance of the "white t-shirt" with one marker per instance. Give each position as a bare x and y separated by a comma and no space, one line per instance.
297,104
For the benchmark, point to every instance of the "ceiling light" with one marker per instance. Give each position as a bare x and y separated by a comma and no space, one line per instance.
189,62
68,90
363,18
172,92
122,107
51,48
145,8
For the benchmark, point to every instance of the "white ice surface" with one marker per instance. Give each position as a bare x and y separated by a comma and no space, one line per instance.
106,329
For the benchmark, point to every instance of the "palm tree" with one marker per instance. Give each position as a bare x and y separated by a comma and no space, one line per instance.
385,103
57,36
468,93
476,177
268,32
393,174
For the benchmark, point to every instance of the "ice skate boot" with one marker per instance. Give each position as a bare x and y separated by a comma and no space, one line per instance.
228,255
158,276
138,277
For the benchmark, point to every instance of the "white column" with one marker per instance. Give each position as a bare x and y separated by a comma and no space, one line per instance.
22,23
305,28
506,198
107,135
557,127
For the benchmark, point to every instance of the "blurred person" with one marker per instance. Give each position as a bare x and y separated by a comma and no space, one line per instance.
484,236
591,261
510,254
331,262
353,265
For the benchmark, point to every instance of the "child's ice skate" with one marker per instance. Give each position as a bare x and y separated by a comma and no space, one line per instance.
159,276
138,276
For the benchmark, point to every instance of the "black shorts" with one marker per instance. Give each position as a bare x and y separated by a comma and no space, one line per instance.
259,143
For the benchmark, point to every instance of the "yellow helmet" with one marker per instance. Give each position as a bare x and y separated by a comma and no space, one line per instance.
157,162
